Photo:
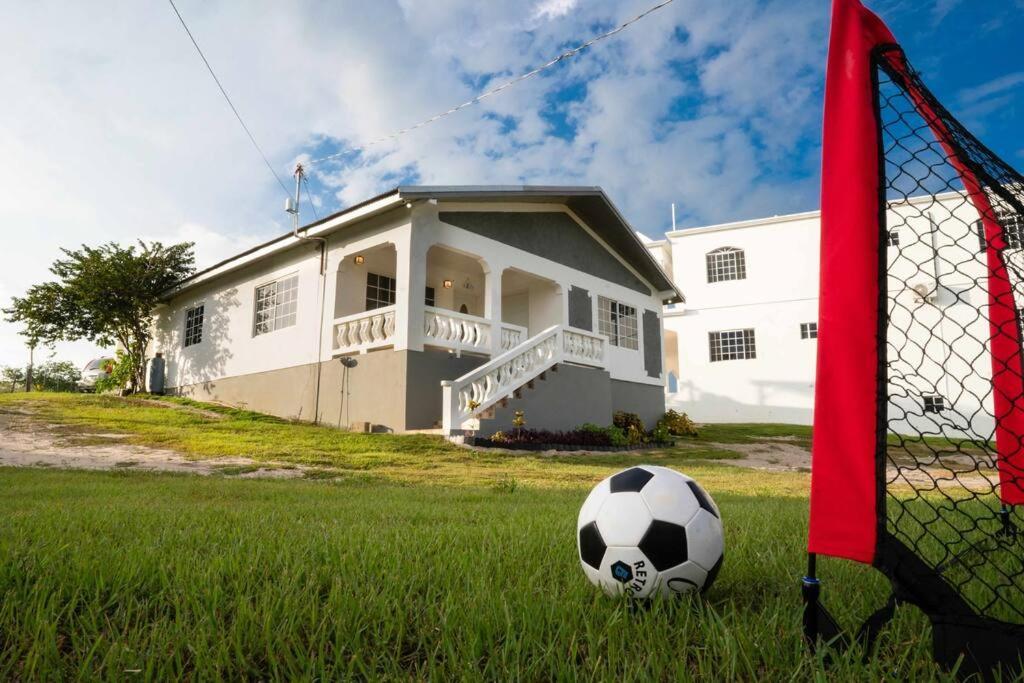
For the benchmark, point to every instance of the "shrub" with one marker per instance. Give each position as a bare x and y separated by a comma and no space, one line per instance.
679,424
625,421
119,375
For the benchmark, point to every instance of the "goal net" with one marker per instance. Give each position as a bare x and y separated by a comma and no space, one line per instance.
918,457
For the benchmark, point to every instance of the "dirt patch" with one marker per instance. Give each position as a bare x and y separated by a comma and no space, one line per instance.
777,455
25,442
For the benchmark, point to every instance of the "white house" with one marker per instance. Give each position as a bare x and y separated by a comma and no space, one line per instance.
430,307
743,348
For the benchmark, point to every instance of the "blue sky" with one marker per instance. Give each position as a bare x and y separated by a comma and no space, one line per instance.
112,129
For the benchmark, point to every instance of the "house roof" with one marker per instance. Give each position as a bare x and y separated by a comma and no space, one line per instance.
591,204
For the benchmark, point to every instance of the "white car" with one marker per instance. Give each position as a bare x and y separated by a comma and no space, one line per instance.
93,370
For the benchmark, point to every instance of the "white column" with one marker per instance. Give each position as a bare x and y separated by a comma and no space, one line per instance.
492,304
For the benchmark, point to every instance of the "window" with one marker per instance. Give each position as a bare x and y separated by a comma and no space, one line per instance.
727,263
732,345
893,240
618,322
276,304
808,330
934,404
1013,227
380,291
428,298
194,325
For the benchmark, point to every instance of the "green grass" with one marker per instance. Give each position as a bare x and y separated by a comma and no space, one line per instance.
422,561
171,576
186,426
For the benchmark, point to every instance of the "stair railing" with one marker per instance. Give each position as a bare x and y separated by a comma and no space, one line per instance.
476,391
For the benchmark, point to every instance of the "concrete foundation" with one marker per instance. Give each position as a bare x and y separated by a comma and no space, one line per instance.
397,391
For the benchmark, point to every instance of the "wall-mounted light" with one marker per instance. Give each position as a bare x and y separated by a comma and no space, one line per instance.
359,259
448,284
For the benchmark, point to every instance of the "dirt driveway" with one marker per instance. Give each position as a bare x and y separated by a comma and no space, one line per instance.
29,442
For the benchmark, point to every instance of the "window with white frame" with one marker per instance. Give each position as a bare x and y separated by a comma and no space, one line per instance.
934,403
1013,227
732,345
893,239
428,297
276,305
618,322
727,263
808,330
194,325
380,291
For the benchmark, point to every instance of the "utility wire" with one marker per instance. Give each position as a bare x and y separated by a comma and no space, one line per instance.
305,182
494,91
228,99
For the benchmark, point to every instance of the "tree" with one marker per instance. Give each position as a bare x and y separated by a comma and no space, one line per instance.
57,376
15,376
104,294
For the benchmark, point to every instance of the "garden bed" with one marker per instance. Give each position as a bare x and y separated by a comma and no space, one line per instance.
483,442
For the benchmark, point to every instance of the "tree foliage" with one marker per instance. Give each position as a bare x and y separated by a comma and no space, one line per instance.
104,294
14,376
56,376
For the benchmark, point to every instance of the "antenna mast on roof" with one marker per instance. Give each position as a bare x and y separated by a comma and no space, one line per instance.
673,216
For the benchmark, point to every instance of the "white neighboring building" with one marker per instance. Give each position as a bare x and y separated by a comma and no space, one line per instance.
743,348
760,312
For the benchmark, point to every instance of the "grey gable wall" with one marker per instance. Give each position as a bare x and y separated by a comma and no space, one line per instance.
552,235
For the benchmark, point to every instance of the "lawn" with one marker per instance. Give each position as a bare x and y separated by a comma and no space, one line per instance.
392,574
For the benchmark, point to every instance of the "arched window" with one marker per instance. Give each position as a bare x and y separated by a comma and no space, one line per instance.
726,263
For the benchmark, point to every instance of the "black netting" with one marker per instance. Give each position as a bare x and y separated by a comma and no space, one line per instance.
941,459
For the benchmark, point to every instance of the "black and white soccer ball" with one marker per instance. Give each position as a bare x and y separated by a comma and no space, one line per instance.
649,530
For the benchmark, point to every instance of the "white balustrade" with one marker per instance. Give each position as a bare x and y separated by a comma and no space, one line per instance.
583,347
511,336
476,391
456,330
366,330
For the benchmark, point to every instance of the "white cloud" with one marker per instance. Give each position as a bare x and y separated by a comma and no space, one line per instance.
117,132
553,9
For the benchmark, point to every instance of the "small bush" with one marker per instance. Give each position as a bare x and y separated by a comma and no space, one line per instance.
118,374
678,424
627,422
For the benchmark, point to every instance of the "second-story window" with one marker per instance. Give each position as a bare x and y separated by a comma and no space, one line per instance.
380,291
808,330
727,263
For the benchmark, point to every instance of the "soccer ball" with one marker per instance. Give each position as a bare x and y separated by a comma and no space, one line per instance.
649,530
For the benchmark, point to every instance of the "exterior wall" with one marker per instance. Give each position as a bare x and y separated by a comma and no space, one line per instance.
228,347
645,400
780,292
563,400
285,392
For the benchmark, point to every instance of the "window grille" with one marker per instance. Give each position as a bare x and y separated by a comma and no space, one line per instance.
194,325
276,305
380,291
618,322
732,345
727,263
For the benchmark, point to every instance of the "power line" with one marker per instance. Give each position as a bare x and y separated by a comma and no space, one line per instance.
305,183
494,91
228,99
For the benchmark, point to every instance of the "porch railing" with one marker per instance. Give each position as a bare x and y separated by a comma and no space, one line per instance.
454,330
365,330
476,391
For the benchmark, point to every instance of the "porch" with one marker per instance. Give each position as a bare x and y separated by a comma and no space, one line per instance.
464,306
